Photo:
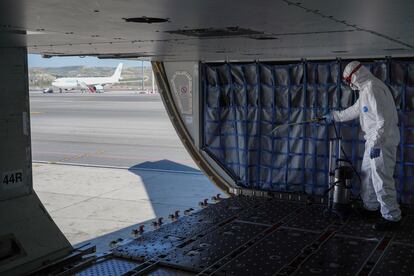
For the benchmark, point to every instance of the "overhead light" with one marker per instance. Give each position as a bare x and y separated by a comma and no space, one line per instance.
394,49
148,20
263,37
216,32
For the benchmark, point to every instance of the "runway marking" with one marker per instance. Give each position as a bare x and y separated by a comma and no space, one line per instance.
82,155
36,113
141,158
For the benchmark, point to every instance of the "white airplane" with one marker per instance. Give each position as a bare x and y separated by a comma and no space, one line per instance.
92,84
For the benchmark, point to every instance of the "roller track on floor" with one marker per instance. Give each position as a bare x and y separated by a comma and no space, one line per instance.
260,236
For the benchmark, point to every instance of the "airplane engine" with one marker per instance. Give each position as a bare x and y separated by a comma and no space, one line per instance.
98,88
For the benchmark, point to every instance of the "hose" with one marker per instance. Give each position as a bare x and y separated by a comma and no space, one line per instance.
315,120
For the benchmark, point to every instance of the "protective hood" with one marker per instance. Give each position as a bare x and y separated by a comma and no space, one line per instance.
360,77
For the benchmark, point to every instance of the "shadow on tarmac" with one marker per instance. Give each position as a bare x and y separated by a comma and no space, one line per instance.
164,165
174,187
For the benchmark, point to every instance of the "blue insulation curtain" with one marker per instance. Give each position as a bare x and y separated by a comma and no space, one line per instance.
244,102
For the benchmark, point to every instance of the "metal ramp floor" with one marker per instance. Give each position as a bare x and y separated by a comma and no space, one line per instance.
261,236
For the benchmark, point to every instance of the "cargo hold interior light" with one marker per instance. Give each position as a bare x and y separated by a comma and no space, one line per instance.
147,20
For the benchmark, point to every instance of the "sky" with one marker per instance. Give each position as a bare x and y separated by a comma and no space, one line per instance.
38,61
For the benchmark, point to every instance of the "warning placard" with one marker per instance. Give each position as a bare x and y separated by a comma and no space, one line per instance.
182,88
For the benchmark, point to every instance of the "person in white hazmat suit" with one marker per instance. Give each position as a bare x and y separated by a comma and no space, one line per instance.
379,121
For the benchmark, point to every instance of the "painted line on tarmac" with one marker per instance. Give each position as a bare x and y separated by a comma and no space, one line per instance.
115,167
36,113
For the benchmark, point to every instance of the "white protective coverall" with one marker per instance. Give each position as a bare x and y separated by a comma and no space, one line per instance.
378,118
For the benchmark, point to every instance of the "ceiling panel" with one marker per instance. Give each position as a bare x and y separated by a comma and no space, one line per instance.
213,30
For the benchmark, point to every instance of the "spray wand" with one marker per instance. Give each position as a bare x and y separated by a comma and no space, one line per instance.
315,120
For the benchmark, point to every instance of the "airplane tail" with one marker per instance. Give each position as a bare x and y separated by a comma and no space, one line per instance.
117,74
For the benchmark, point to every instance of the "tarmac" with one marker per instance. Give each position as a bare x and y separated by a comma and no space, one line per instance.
106,163
118,128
